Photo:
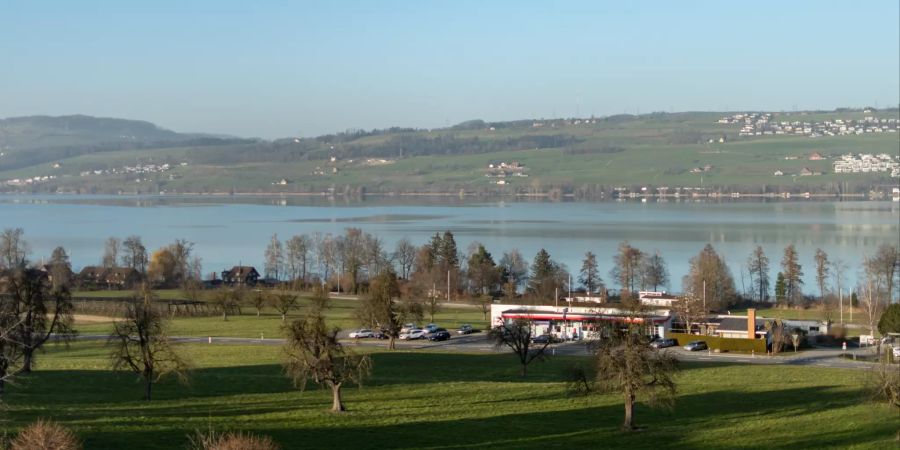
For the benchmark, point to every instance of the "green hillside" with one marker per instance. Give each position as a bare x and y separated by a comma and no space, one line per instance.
581,157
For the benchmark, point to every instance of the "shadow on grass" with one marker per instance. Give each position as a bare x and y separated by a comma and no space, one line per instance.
581,427
105,409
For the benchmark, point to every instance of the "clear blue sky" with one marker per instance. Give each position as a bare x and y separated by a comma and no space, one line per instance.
280,68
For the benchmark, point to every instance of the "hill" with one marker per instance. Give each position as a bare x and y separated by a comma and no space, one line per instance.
581,157
33,140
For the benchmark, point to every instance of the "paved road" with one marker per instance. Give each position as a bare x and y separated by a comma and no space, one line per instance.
818,357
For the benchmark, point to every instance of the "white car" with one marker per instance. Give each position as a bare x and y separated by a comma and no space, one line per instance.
413,335
363,333
897,352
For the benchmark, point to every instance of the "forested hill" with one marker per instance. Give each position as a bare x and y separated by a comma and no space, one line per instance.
26,141
590,157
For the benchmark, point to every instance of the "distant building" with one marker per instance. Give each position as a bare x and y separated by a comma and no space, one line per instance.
240,275
815,156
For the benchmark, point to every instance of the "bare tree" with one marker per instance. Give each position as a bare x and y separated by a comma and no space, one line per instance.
111,252
259,299
871,300
134,254
838,273
298,249
626,267
228,301
405,256
285,302
884,267
690,310
709,279
314,354
822,268
514,268
42,311
13,248
516,335
141,345
886,386
758,266
274,258
627,364
654,272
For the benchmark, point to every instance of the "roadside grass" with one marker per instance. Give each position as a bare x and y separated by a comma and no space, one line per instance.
341,313
444,401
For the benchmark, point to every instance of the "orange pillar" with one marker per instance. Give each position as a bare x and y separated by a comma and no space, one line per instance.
751,323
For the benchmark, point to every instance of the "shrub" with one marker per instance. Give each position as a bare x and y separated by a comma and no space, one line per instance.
45,435
232,441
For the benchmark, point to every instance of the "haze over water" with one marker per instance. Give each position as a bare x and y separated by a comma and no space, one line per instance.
227,231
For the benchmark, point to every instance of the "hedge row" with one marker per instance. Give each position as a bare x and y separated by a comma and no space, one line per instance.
722,344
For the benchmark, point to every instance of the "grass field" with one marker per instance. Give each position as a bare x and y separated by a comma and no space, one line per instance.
341,313
649,155
445,401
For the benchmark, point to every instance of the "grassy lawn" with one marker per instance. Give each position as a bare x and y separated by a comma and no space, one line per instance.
340,314
445,401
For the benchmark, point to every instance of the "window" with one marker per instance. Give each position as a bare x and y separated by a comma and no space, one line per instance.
814,329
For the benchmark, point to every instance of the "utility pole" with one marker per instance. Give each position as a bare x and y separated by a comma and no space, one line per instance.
841,297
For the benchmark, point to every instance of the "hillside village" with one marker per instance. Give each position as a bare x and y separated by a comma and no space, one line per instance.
761,124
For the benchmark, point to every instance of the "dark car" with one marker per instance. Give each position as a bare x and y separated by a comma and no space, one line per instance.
544,339
663,343
465,329
694,346
439,335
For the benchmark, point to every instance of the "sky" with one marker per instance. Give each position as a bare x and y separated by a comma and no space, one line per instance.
277,68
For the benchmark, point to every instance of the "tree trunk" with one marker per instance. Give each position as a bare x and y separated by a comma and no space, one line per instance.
337,405
27,359
628,424
391,344
524,370
148,388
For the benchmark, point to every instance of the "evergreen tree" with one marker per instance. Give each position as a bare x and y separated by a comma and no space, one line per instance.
780,289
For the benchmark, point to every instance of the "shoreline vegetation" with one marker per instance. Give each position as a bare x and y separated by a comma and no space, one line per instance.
693,196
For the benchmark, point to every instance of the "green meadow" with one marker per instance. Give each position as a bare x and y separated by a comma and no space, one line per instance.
422,400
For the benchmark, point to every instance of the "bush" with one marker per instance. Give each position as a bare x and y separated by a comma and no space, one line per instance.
232,441
45,435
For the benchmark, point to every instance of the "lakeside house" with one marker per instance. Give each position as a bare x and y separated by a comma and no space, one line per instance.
109,277
240,275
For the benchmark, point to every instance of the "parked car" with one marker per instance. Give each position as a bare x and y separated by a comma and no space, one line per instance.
896,351
544,339
362,333
408,326
663,343
465,329
431,328
412,335
694,346
439,335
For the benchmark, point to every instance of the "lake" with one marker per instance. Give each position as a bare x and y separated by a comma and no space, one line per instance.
228,230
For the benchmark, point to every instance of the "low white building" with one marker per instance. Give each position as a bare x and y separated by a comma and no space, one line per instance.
575,323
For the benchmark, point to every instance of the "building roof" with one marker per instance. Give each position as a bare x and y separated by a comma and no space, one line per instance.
531,314
738,325
242,271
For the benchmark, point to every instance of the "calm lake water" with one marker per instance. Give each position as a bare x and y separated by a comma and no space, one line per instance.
227,231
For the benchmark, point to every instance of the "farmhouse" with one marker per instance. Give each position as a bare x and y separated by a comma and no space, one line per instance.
240,275
109,277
